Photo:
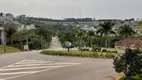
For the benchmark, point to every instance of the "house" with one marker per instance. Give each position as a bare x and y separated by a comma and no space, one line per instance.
138,30
129,43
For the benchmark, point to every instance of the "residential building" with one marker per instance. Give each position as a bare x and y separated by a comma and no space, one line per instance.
129,43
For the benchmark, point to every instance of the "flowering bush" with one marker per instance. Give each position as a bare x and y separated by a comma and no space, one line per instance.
129,63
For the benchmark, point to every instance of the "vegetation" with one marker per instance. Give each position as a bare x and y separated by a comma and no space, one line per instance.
133,78
106,29
81,54
130,64
126,31
9,49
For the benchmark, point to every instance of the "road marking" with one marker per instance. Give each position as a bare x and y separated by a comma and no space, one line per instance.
26,74
30,65
12,64
23,68
29,68
13,73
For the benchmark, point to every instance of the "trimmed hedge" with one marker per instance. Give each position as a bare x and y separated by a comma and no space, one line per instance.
79,54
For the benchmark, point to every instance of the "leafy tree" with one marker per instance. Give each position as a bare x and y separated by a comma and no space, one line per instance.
91,35
80,35
10,29
106,29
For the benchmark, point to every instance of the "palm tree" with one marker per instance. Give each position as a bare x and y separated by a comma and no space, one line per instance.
106,29
126,31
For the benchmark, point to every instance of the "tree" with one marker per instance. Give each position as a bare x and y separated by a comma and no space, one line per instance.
46,35
10,29
106,29
91,35
21,35
80,35
129,63
126,31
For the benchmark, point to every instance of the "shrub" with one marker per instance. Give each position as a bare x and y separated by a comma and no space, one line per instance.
104,50
85,49
129,63
114,51
108,55
80,54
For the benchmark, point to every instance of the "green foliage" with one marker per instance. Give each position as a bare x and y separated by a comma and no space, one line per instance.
126,31
133,78
130,63
80,54
9,49
104,50
106,29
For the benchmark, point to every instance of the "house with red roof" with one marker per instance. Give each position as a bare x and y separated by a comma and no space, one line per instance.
129,43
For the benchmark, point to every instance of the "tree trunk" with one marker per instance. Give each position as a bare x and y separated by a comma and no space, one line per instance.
21,44
106,44
68,49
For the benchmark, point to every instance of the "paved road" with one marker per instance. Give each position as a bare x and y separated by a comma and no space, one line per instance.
35,66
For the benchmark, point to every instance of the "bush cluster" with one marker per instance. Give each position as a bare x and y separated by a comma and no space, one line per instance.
130,64
104,50
79,54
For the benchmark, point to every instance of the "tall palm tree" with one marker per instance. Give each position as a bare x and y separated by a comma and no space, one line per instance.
126,31
106,29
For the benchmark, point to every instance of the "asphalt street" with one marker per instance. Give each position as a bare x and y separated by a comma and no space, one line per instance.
35,66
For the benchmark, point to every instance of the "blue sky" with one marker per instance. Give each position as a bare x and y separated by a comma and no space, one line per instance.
59,9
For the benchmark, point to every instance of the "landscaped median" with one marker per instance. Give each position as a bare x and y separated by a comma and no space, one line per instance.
81,54
9,49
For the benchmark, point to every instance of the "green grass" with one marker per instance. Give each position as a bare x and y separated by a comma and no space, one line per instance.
9,49
133,78
81,54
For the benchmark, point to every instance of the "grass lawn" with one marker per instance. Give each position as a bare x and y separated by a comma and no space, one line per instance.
133,78
9,49
81,54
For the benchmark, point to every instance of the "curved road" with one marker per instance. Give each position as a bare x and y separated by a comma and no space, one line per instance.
35,66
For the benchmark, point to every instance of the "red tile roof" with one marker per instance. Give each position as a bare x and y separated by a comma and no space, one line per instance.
131,43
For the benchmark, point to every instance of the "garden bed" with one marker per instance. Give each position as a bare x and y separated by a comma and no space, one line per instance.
81,54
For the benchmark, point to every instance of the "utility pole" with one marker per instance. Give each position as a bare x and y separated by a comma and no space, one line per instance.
80,12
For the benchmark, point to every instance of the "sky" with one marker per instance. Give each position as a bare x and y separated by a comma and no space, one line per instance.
59,9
